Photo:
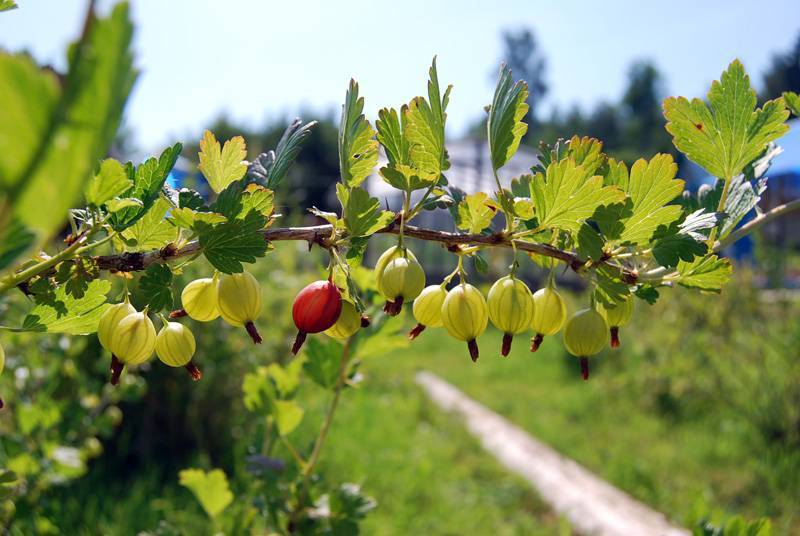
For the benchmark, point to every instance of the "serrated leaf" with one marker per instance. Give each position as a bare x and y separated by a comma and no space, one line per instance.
210,489
227,245
115,205
111,181
188,218
358,148
287,415
505,127
792,101
724,138
685,240
390,136
259,199
148,180
705,273
61,312
475,212
651,186
191,199
361,213
75,275
586,152
616,173
330,217
152,231
610,289
523,208
567,195
322,361
745,190
271,167
521,186
648,293
156,287
590,243
222,165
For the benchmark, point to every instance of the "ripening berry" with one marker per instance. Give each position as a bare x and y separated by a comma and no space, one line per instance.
428,309
110,320
510,308
402,280
386,257
616,317
585,336
465,315
132,342
175,346
549,313
347,324
200,300
239,298
316,308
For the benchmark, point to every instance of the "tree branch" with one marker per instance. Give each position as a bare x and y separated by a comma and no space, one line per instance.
320,235
755,223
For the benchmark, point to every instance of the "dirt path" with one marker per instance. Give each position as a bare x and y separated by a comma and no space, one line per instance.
592,505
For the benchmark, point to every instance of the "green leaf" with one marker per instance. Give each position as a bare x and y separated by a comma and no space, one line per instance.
110,182
75,275
424,128
390,135
115,205
792,101
52,140
15,239
271,167
567,195
188,218
259,199
362,214
705,273
586,152
505,127
227,245
222,165
475,212
148,180
685,240
358,148
6,5
590,243
650,187
156,286
287,414
61,312
647,293
610,289
724,138
322,361
152,231
210,489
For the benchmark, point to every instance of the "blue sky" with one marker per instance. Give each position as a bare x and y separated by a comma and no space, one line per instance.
256,59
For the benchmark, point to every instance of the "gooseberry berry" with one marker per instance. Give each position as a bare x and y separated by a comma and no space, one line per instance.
239,298
465,316
585,336
110,319
200,300
510,308
316,308
2,366
549,313
347,324
175,346
617,316
402,279
388,256
427,309
132,342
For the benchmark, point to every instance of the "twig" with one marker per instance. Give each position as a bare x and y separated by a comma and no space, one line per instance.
755,223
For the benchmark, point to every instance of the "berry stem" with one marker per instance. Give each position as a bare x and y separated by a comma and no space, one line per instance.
536,342
585,368
414,333
194,371
508,338
253,332
298,342
116,369
178,313
614,336
473,350
365,321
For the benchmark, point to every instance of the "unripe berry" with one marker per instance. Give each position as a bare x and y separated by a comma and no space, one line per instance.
132,342
465,316
200,300
239,298
2,366
175,346
110,320
428,309
347,324
316,308
386,257
585,336
510,308
549,313
616,317
403,279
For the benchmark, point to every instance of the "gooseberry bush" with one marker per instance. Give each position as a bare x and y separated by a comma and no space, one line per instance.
627,229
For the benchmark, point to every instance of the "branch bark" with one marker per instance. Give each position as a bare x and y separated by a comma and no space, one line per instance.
320,235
